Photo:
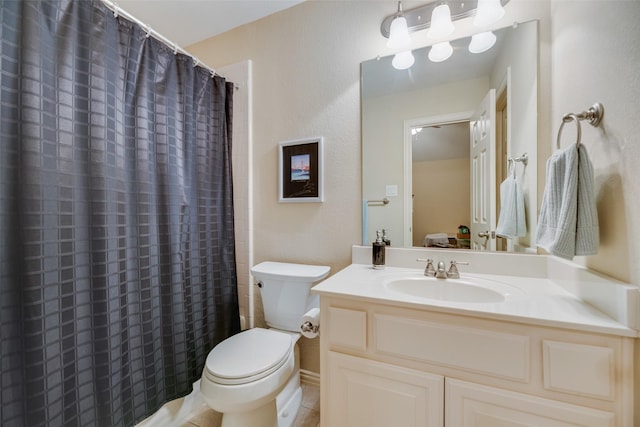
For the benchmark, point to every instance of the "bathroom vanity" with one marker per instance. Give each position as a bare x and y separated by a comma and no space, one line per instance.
535,355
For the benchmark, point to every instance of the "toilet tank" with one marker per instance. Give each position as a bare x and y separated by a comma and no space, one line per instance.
284,288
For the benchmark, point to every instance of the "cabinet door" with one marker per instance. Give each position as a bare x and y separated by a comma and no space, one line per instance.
473,405
366,393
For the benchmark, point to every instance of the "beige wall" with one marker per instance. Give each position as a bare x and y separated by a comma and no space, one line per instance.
596,57
306,83
440,210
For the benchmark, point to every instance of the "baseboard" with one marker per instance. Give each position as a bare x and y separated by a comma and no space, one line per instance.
308,377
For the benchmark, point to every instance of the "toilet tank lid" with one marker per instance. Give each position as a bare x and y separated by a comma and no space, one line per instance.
289,271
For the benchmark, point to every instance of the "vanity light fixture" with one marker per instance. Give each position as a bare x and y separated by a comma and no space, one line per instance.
398,31
440,52
399,39
489,12
482,42
403,60
418,18
441,25
486,12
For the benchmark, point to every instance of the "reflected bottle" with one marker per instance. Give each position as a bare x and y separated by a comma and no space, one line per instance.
377,255
385,239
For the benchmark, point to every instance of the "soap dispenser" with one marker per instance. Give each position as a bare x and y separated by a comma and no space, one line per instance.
377,255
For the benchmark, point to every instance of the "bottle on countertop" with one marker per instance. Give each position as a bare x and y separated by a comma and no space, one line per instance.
377,255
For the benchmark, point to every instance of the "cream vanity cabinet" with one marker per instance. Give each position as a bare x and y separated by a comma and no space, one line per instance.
391,366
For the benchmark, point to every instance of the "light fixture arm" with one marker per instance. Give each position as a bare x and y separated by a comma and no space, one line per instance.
419,18
399,12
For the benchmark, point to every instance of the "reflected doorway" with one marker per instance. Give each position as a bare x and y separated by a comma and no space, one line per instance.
440,179
502,120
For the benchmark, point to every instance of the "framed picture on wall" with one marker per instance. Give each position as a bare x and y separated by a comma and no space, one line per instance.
300,170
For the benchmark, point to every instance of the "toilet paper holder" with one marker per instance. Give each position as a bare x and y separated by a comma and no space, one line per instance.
309,327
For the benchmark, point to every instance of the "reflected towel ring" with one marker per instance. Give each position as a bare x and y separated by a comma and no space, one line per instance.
566,119
511,166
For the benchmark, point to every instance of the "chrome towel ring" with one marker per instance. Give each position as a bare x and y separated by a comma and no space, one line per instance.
593,115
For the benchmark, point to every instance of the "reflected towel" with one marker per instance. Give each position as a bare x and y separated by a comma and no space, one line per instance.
512,222
568,222
436,239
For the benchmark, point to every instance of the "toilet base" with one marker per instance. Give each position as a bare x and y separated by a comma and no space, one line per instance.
279,412
288,401
264,416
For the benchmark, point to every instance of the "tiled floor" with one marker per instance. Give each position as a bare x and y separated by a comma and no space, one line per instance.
199,414
309,413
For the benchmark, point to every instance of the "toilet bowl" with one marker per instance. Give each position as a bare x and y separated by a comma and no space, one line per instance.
244,374
253,378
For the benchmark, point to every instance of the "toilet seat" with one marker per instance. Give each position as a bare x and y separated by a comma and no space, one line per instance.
248,356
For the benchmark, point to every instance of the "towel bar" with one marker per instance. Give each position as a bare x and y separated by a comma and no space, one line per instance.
382,202
593,115
511,163
524,159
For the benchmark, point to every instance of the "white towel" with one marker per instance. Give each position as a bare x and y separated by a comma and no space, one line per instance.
587,228
568,222
511,222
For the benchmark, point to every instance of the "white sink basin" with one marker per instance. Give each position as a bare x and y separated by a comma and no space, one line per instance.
453,290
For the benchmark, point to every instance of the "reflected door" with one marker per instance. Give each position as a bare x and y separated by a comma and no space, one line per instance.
483,175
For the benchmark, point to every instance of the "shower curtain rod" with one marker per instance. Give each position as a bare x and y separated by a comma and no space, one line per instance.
118,11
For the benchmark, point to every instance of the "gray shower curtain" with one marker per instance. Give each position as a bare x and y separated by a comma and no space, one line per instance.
117,258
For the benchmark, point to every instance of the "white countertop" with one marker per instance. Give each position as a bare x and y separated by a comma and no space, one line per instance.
535,300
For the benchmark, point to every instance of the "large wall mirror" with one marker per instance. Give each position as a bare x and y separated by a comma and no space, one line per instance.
420,174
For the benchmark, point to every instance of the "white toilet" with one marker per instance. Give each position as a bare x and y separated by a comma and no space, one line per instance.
253,378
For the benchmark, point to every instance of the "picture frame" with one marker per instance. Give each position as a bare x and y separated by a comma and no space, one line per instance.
300,166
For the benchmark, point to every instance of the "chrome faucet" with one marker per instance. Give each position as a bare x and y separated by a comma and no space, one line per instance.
428,269
441,272
453,272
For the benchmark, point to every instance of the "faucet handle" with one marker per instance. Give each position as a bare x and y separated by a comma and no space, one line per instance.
429,270
453,272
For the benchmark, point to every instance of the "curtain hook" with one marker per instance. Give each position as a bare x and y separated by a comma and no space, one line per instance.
196,61
213,74
175,48
148,33
116,10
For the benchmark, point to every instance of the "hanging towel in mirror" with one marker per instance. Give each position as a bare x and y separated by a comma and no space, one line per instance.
568,222
512,222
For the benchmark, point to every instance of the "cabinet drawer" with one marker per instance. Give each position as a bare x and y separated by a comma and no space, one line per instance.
347,328
584,370
478,405
493,353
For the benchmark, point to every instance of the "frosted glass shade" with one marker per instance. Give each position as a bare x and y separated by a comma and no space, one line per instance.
482,42
488,12
403,60
441,25
399,34
440,52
